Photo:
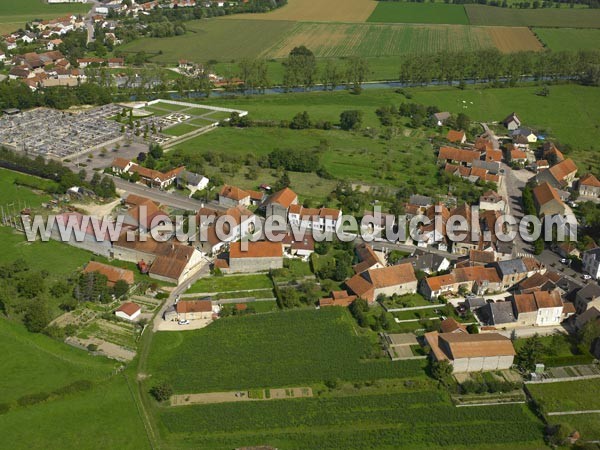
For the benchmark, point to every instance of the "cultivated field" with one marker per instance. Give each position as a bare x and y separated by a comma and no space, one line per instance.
567,396
291,348
416,419
545,17
402,12
569,39
335,40
514,39
212,40
14,14
321,10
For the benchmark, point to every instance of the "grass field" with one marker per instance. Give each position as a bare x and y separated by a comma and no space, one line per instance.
34,363
180,130
570,113
420,419
545,17
57,258
565,39
14,196
14,14
567,396
231,283
401,12
104,417
291,348
324,11
588,425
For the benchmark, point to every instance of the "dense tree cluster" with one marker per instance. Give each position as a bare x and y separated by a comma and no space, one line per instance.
294,160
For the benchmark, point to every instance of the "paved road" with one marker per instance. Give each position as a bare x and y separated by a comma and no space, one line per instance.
165,198
552,261
89,21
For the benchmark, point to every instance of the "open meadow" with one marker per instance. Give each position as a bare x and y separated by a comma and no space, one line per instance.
568,39
404,12
14,13
545,17
291,348
324,11
567,396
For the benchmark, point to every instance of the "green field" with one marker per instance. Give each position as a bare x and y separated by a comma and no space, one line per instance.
39,364
215,39
570,113
568,39
291,348
14,14
231,283
588,425
401,12
179,130
545,17
15,196
422,419
567,396
53,256
105,417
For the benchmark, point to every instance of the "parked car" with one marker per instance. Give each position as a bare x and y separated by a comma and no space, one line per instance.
587,277
184,322
564,260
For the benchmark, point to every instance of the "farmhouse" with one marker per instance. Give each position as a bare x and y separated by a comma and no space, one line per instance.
492,201
193,310
302,248
144,214
440,118
458,137
338,298
367,258
152,178
192,181
427,262
279,203
472,352
512,122
547,201
511,271
475,279
458,156
234,196
450,325
540,308
560,175
552,153
112,273
238,222
259,256
589,186
370,284
128,311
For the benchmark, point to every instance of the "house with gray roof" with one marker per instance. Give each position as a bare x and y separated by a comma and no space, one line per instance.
498,314
587,297
511,271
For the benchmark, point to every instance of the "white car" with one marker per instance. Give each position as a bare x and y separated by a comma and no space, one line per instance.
184,322
564,260
587,277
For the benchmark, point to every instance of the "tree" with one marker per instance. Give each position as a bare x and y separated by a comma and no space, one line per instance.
162,391
530,354
37,316
300,68
351,120
301,121
357,70
120,288
463,122
283,182
156,151
441,370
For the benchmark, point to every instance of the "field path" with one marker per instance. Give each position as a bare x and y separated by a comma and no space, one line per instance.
239,396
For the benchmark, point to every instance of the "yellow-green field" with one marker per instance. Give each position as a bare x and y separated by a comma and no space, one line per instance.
15,13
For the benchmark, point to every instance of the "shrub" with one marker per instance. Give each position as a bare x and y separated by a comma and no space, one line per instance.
32,399
162,392
4,408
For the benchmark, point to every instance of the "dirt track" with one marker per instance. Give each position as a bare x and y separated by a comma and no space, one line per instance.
238,396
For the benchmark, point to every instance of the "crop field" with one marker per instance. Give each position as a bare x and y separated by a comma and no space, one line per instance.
14,14
324,11
565,39
339,40
419,419
291,348
402,12
212,40
567,396
514,39
231,283
545,17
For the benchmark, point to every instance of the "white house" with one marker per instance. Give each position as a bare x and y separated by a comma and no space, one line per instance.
322,219
540,308
128,311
